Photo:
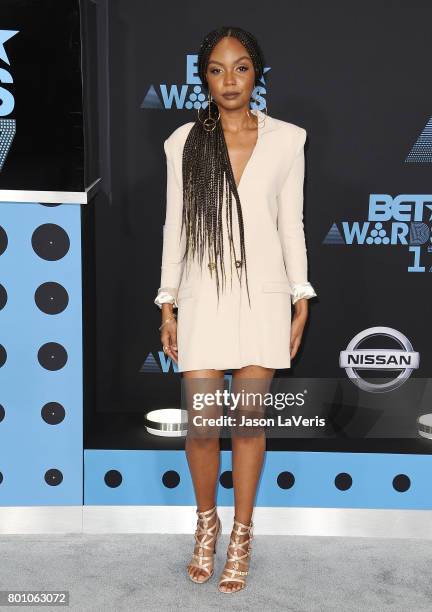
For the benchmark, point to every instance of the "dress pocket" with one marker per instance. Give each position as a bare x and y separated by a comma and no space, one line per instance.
276,287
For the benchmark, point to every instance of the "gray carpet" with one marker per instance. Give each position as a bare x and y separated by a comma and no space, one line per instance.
147,572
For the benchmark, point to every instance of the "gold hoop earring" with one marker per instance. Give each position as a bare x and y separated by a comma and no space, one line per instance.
209,122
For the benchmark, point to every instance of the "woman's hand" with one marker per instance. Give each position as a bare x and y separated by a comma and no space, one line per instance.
169,333
297,325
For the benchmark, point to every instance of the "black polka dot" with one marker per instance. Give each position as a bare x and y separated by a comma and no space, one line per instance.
50,242
3,240
53,477
53,413
226,480
2,413
113,479
171,479
401,483
343,481
50,203
1,477
285,480
52,356
51,298
3,355
3,297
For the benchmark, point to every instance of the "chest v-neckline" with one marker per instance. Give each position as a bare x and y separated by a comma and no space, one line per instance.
251,155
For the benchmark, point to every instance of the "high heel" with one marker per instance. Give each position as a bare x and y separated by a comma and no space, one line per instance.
234,573
208,541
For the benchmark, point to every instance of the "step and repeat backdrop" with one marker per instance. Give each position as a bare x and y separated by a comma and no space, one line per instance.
356,82
91,90
359,91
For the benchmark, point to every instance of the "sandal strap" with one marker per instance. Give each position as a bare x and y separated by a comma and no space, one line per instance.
200,567
232,579
247,528
208,533
198,561
206,513
234,574
207,541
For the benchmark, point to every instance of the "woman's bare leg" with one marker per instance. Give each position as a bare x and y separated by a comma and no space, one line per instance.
202,444
247,450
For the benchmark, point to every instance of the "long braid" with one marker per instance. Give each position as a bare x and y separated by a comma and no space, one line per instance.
208,175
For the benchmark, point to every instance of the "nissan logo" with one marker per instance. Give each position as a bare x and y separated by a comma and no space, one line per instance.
354,359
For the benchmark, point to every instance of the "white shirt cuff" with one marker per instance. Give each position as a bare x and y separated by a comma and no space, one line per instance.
165,296
302,290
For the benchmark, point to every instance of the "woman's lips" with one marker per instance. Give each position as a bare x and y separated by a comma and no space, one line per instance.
231,95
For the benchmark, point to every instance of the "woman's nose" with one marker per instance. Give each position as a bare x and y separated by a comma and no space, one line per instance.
229,78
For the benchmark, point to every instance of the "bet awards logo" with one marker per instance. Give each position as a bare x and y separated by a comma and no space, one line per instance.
403,359
7,101
190,94
404,220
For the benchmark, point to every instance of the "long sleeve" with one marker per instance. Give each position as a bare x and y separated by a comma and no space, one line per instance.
291,227
173,244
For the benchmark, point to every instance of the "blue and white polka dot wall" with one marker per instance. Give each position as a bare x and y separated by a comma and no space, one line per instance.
41,379
288,479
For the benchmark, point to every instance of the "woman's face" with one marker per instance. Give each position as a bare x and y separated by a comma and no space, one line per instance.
230,70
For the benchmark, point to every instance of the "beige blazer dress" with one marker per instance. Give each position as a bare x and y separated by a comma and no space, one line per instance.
232,334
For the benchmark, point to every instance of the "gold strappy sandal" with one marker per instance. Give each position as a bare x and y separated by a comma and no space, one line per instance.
208,541
235,573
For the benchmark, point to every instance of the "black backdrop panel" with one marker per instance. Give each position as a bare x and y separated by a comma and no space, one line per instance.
357,81
41,91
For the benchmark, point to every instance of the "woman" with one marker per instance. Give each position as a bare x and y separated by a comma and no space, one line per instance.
234,201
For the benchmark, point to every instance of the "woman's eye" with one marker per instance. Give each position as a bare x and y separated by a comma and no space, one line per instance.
243,68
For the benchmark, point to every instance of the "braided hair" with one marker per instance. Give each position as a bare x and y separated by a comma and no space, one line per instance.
207,173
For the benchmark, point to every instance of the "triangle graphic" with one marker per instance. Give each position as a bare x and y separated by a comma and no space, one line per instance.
151,99
150,365
334,236
422,149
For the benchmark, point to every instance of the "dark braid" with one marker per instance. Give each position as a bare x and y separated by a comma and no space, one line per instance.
208,174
